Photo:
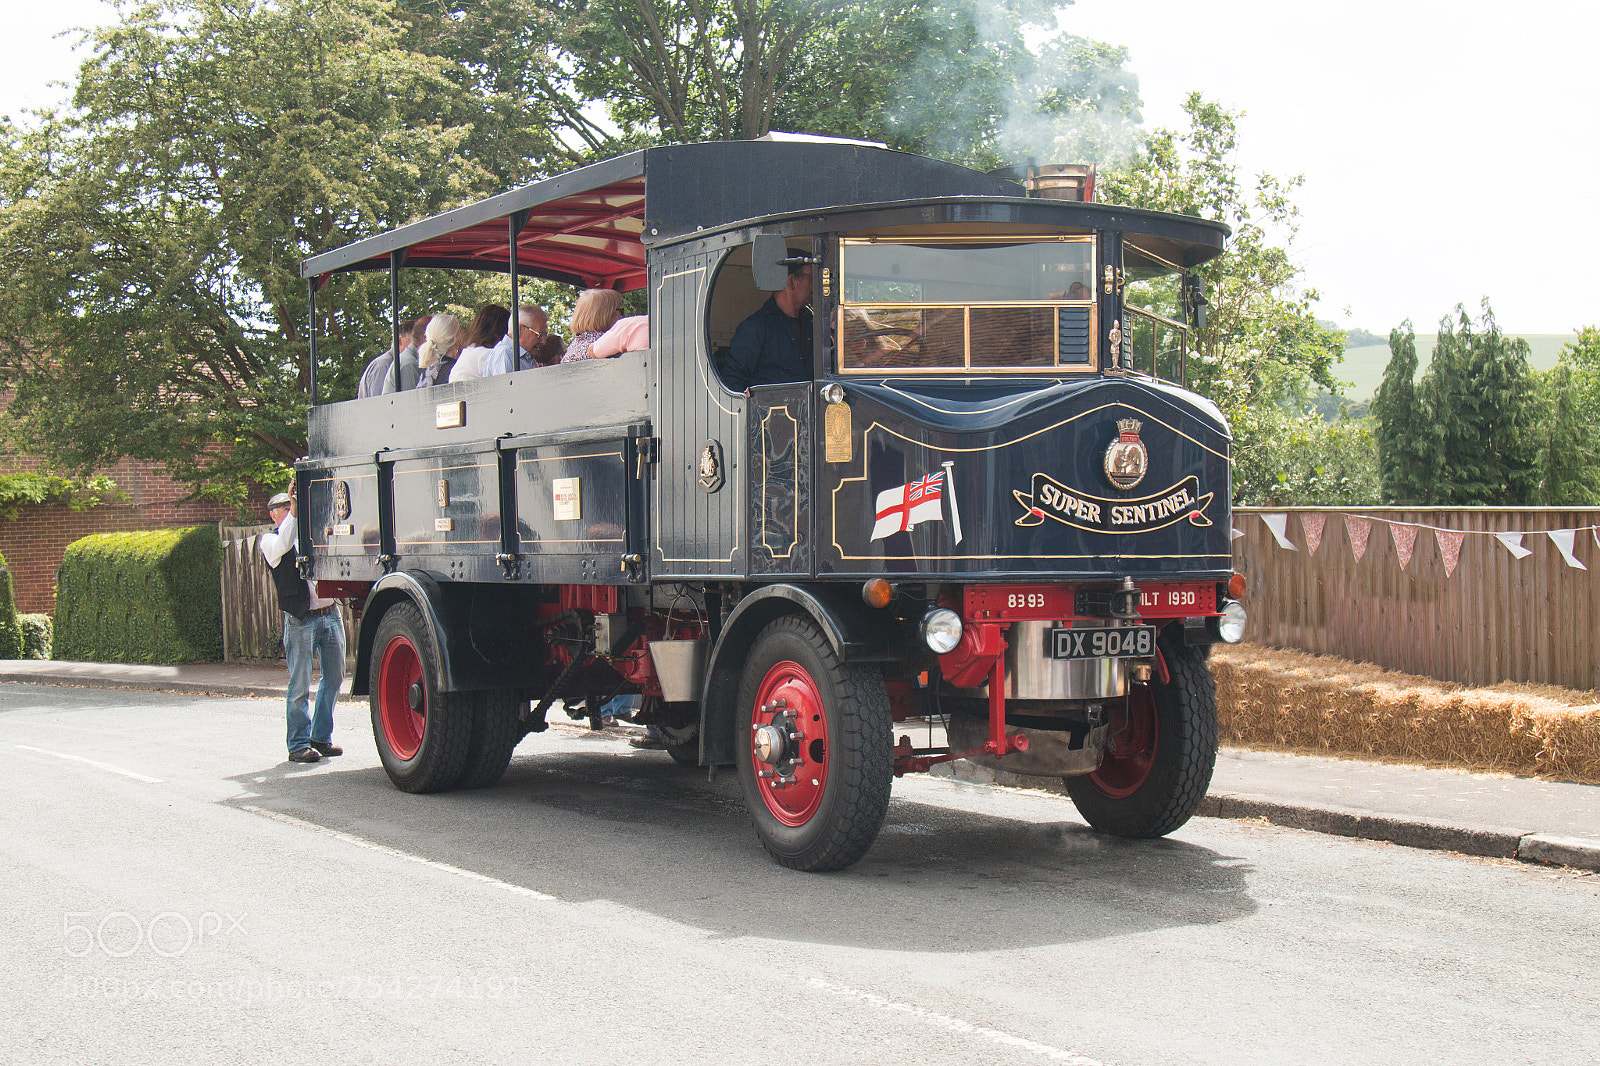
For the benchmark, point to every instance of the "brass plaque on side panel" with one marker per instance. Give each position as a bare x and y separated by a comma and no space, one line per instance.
452,415
837,439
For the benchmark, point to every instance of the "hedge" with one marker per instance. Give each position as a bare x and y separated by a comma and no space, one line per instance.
10,629
36,630
148,597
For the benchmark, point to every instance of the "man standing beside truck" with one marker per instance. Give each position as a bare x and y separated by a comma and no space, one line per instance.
311,626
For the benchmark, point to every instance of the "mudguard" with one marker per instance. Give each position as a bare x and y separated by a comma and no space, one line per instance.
856,632
459,662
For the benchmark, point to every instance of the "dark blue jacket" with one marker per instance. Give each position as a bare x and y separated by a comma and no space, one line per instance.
769,347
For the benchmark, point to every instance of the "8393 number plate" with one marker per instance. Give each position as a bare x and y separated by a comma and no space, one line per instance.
1125,642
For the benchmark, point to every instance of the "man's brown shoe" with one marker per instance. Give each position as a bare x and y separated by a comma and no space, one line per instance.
304,755
327,750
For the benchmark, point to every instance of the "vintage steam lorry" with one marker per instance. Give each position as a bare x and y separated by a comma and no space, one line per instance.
992,502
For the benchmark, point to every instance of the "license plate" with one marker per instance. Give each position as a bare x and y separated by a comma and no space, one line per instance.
1124,642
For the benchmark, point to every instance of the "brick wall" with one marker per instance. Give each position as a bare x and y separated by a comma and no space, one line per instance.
34,544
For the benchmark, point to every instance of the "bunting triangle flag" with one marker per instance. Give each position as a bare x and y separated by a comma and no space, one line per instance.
1237,534
1449,547
1405,538
1565,540
1359,529
1311,525
1279,524
1513,543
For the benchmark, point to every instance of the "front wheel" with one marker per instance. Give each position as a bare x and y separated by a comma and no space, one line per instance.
813,748
423,735
1162,749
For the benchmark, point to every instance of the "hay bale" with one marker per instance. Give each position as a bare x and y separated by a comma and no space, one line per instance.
1295,701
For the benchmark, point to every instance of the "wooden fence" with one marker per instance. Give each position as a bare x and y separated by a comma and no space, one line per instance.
1493,617
252,624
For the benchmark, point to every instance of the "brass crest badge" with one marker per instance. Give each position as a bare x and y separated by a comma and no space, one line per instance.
1127,461
341,500
711,466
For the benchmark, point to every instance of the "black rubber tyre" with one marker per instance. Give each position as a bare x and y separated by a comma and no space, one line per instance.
1166,734
496,731
684,749
830,816
422,734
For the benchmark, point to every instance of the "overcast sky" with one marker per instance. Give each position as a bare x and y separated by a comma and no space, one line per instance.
1451,151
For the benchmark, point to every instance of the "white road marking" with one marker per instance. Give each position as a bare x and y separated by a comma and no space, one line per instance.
956,1025
96,765
384,849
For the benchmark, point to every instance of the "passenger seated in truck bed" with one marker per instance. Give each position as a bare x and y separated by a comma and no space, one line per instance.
631,334
488,326
437,353
595,312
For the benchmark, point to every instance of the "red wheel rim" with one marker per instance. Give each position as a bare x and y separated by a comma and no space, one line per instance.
788,687
1127,765
398,670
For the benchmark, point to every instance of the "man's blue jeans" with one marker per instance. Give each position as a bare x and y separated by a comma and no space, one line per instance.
322,636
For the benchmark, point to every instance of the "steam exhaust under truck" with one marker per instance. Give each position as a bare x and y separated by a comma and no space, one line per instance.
991,502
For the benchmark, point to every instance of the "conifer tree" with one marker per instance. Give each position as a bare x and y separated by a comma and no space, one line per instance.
1478,393
1403,441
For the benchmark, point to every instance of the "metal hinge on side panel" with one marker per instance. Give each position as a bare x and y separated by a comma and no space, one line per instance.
648,449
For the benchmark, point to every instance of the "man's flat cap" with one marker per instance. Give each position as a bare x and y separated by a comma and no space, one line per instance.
280,500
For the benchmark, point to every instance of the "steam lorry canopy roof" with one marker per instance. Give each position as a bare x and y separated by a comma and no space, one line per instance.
590,227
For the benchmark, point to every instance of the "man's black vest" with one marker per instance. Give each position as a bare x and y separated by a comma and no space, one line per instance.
293,595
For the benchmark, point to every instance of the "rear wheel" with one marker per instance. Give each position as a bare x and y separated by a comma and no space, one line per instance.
496,731
422,734
1163,747
683,744
813,748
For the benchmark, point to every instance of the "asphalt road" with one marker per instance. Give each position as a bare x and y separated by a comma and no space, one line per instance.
178,893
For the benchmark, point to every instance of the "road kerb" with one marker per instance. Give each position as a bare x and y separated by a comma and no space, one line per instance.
1409,832
1560,851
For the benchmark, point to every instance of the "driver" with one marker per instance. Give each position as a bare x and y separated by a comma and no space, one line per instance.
774,344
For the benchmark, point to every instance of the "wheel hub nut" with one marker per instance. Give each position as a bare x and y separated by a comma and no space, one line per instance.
414,696
769,743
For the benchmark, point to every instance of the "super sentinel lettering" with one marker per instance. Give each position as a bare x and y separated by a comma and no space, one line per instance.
1139,513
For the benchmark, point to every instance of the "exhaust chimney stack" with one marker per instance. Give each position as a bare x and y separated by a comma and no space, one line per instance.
1060,181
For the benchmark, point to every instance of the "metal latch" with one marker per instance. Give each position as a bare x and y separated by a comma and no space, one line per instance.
648,450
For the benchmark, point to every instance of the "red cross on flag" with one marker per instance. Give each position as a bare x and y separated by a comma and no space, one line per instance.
900,509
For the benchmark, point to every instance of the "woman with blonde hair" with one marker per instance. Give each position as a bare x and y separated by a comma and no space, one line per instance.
438,350
596,311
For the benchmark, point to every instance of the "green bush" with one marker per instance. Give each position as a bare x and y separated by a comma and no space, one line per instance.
147,597
36,630
10,630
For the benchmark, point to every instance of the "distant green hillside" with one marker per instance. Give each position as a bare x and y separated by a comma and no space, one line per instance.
1364,365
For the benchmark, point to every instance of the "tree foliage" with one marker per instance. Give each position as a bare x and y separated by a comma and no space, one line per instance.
1304,459
78,493
1404,458
1466,434
951,78
1262,347
1568,400
152,232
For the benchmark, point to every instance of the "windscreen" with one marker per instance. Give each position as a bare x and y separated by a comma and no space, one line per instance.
1022,303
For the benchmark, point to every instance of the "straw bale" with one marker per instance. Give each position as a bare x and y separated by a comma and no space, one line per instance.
1295,701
